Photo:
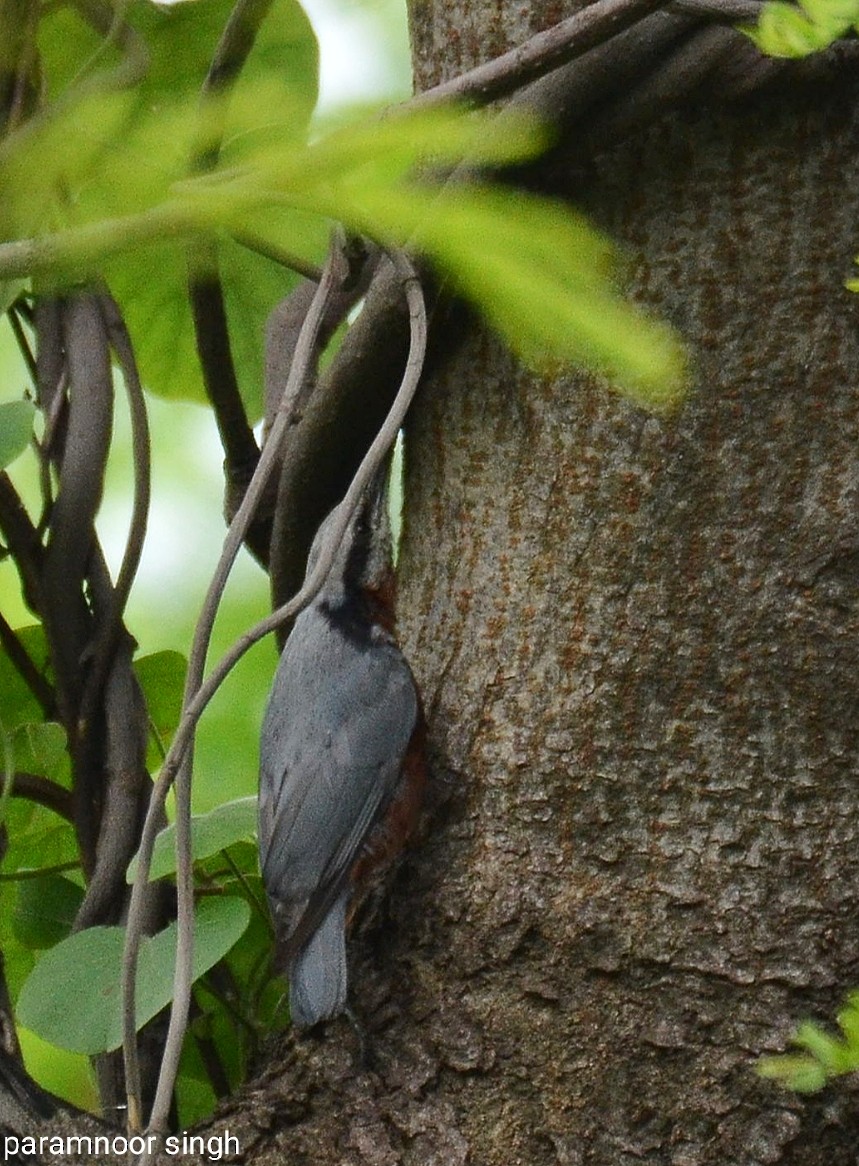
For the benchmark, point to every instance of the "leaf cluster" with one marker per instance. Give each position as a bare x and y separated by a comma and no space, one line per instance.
797,30
823,1058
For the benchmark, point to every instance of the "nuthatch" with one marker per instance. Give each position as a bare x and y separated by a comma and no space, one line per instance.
341,764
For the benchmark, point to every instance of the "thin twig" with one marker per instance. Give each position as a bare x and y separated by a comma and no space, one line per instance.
111,622
22,342
725,11
277,254
205,288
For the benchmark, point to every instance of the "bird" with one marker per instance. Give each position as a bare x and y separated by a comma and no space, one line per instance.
341,762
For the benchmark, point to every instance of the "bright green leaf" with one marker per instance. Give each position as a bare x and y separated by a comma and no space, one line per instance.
784,30
72,997
42,748
210,833
802,1074
828,1050
16,427
38,838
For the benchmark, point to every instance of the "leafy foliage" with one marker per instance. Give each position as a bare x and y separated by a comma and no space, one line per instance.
824,1057
72,996
789,30
100,177
210,833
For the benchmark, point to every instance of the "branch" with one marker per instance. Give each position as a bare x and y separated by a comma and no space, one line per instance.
22,341
350,402
208,310
114,597
27,670
22,540
547,50
44,792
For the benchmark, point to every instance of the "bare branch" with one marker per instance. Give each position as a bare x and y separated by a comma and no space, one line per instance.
276,254
22,342
208,310
547,50
22,539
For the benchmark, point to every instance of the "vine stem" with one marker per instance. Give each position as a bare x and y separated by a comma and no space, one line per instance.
177,763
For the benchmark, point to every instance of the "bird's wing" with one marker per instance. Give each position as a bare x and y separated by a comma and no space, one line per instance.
335,743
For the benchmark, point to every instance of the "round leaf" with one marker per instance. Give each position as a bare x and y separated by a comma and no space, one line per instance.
72,996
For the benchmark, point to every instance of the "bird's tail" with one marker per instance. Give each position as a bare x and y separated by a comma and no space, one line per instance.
317,974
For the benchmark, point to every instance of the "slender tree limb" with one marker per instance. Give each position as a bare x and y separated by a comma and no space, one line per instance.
544,52
27,670
277,255
211,331
35,788
726,11
208,310
22,341
141,444
67,619
350,401
22,540
680,74
109,21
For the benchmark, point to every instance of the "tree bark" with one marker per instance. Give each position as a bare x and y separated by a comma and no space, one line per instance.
636,640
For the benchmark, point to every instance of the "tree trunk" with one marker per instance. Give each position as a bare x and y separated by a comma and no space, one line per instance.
636,638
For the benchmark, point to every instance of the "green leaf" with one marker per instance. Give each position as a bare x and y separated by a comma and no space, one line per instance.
112,154
72,997
161,676
281,74
802,1074
784,30
16,427
210,833
18,706
828,1050
41,748
38,838
45,910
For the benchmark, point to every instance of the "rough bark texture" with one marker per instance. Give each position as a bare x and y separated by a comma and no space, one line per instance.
637,645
